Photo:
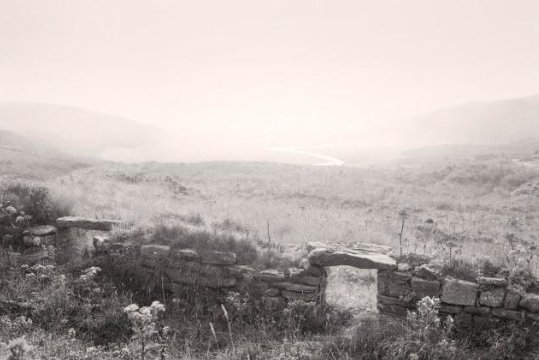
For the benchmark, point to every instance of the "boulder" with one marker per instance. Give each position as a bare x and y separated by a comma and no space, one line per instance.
449,309
302,276
311,268
530,302
85,223
218,257
459,292
240,270
327,257
101,243
492,298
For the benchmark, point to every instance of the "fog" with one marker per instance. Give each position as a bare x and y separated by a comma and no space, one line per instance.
231,79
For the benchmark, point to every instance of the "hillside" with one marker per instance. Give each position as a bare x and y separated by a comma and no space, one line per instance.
74,130
492,122
22,159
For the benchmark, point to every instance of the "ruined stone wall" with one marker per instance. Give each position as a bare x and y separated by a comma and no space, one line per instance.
484,303
219,270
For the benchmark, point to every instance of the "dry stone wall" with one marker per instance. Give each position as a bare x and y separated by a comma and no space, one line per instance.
219,270
483,303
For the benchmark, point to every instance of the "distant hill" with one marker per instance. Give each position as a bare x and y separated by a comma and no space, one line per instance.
478,123
24,159
74,130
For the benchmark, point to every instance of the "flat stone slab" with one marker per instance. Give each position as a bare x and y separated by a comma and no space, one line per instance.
85,223
41,230
218,257
459,292
329,257
422,287
357,247
155,251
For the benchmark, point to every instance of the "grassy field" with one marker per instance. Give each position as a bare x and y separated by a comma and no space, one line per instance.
453,210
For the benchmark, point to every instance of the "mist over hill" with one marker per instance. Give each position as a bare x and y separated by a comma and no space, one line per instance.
74,130
478,123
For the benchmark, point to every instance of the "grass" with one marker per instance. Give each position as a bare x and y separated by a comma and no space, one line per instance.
459,213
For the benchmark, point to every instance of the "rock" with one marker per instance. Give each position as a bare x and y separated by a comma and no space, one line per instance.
325,257
272,304
272,292
449,309
302,276
10,210
30,241
41,230
422,287
218,257
530,302
459,292
20,220
492,298
357,247
187,255
298,296
480,322
532,316
511,300
394,284
491,281
271,275
240,270
311,268
403,267
477,310
426,272
463,319
86,223
508,314
390,305
296,287
101,243
155,251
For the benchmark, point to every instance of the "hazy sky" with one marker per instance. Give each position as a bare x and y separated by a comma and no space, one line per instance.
290,72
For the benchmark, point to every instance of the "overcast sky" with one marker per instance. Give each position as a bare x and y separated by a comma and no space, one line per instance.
277,71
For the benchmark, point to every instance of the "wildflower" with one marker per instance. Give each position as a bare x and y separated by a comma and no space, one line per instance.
131,308
18,347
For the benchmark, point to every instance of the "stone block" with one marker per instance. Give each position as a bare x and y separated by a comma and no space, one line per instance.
272,292
463,319
493,297
394,284
218,257
271,275
240,270
477,310
511,300
298,296
481,322
187,255
32,241
302,276
188,273
508,314
459,292
404,267
491,281
450,309
296,287
426,272
389,305
41,230
422,287
532,316
312,269
530,302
